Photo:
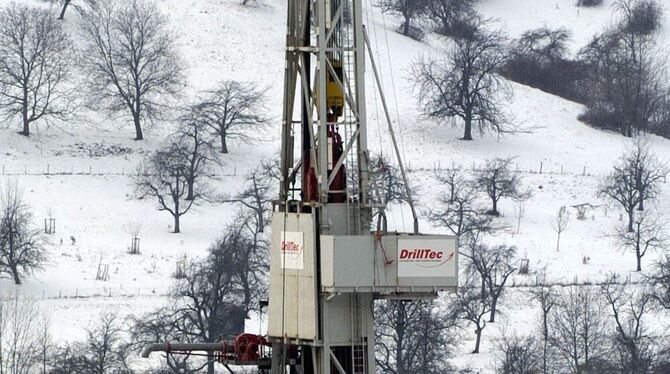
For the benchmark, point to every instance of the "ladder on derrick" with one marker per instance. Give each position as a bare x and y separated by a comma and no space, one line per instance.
359,359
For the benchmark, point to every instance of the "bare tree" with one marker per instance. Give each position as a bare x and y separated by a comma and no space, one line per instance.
461,214
623,185
387,187
630,306
164,176
547,298
19,334
494,265
408,9
197,143
519,213
160,326
256,196
649,171
44,344
454,180
22,248
104,347
103,352
234,111
519,356
498,181
560,224
35,60
660,280
471,306
578,331
465,84
648,234
411,337
215,295
131,61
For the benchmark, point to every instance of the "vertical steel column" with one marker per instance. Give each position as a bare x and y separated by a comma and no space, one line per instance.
363,156
321,84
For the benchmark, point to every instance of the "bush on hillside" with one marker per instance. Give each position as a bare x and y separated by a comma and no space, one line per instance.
412,31
645,17
454,18
539,60
589,2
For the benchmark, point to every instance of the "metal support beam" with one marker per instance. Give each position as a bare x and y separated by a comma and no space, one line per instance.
408,191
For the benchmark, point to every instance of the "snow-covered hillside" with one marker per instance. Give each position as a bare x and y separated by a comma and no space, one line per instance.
62,170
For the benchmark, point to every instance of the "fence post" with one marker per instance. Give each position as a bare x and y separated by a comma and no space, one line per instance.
541,165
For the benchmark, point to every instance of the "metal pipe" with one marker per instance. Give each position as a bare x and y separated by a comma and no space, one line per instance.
184,347
390,125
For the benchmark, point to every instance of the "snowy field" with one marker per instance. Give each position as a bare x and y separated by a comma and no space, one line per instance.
91,196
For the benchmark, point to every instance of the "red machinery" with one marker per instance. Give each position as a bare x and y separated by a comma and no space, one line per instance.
245,348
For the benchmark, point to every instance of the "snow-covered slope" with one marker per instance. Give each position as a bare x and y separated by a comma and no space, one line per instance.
220,39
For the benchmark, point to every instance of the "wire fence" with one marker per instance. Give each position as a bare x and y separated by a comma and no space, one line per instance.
84,293
548,168
60,170
522,168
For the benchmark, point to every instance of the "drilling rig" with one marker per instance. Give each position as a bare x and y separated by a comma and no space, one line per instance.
327,264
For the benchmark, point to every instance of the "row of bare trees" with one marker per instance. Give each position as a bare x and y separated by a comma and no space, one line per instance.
129,58
591,329
214,296
488,267
27,345
177,175
131,69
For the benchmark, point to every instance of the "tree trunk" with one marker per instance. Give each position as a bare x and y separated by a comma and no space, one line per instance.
224,144
138,126
24,114
177,229
467,135
558,242
15,274
640,206
62,12
406,29
494,210
639,260
630,219
478,331
544,357
26,127
190,182
494,305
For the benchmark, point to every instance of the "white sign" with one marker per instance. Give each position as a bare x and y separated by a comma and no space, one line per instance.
292,250
427,258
